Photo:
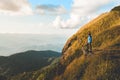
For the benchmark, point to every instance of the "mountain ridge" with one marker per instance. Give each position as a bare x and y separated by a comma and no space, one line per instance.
102,65
26,62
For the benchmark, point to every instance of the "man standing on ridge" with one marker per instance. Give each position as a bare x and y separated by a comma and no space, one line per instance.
90,42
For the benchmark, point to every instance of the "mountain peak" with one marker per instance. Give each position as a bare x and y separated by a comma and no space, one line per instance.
117,8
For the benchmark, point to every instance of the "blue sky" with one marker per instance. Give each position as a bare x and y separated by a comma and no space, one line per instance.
50,16
66,3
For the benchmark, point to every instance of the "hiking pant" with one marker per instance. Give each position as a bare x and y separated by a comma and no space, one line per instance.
90,47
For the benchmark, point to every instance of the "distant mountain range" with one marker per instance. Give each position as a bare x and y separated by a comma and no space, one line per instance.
26,62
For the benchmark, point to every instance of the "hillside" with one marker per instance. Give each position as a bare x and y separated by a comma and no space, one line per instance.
25,62
103,64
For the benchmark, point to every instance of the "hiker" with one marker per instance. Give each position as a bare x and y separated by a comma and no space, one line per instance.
89,42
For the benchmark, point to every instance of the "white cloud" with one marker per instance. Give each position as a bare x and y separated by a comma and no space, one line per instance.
82,11
15,7
85,7
50,9
57,21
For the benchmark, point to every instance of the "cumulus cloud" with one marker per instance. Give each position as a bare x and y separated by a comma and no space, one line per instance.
60,23
82,11
15,7
50,9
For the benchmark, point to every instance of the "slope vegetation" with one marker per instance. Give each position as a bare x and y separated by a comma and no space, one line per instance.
103,64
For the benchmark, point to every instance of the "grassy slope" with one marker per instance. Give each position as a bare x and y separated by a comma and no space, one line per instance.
105,30
103,65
